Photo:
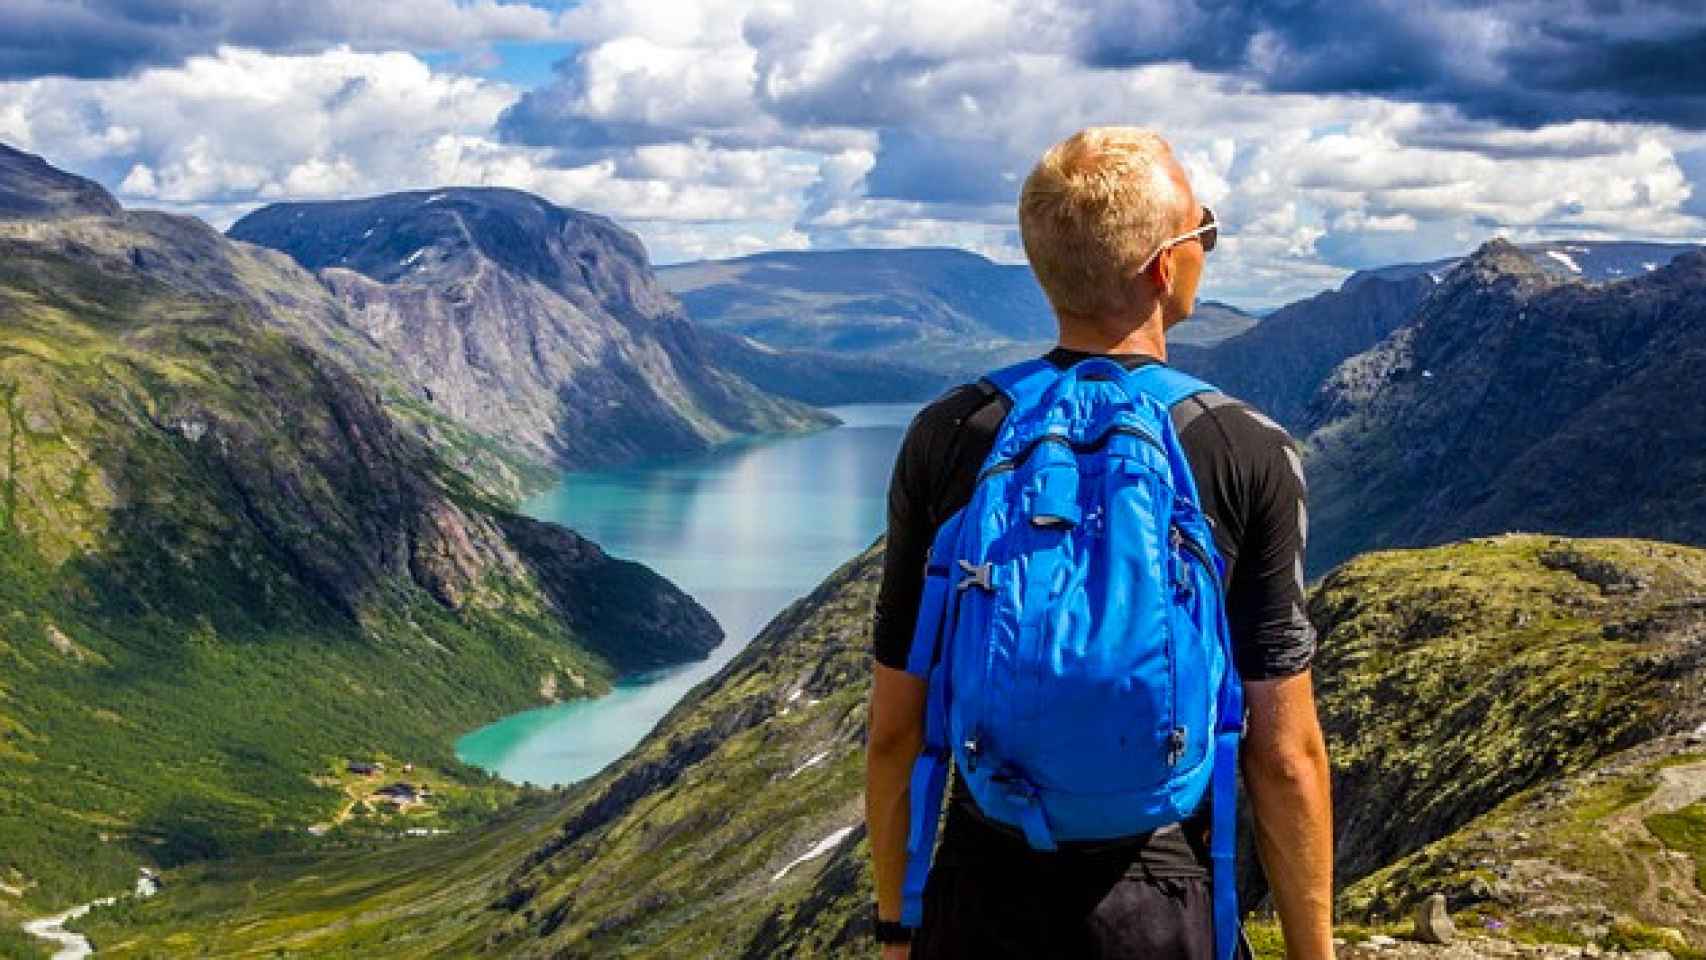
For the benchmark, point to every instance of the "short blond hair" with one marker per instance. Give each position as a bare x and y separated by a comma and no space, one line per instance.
1094,208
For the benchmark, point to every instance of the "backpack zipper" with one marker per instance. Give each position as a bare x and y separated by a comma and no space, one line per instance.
1088,446
1176,742
1177,736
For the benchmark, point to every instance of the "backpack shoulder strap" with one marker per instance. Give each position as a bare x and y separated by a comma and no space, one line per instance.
1024,382
1169,385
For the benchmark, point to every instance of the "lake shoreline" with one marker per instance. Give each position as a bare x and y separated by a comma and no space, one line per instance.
745,529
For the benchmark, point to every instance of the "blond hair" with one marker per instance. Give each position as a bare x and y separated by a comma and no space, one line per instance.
1094,208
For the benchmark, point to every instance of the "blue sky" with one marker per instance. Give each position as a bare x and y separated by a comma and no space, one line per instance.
1329,136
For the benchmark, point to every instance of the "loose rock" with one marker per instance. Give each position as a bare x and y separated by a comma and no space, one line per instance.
1433,922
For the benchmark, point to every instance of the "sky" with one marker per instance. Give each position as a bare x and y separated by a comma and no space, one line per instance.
1328,136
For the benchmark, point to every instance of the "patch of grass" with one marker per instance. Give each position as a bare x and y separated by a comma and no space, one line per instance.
1629,936
1684,830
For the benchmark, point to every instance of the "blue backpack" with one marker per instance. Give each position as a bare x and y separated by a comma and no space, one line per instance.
1073,629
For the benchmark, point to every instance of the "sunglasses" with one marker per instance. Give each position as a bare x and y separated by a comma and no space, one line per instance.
1205,233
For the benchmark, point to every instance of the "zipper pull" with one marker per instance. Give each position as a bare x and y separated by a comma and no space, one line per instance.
971,746
1176,746
1181,581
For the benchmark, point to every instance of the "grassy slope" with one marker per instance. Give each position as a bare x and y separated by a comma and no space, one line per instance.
1452,679
222,571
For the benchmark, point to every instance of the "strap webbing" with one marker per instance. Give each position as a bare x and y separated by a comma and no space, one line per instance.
1024,382
1223,846
1223,836
1167,385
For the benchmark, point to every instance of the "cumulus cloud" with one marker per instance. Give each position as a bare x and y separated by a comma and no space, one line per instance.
1326,140
948,110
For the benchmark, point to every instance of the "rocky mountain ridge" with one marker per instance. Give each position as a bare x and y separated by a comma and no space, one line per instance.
32,188
525,321
1509,401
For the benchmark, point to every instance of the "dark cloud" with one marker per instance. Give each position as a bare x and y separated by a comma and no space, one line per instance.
1520,62
92,39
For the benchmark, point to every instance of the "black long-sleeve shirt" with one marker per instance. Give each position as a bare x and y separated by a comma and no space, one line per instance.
1250,480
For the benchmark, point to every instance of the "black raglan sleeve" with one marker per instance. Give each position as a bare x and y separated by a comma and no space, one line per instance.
1265,601
909,534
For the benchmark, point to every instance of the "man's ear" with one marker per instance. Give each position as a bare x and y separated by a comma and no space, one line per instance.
1161,271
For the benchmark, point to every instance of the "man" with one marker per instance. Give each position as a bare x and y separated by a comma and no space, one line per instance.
1117,240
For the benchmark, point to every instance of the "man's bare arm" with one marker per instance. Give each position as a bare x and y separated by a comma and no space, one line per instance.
1286,773
896,735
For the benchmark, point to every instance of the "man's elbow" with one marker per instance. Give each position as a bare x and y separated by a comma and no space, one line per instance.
1296,764
895,738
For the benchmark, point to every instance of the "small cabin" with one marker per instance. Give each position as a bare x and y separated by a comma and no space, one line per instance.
399,793
362,769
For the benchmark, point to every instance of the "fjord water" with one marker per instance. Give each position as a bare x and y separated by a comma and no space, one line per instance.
746,529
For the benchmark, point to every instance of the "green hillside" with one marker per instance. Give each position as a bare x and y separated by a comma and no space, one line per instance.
1458,684
225,571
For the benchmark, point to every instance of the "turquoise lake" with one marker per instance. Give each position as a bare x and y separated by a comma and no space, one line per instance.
746,529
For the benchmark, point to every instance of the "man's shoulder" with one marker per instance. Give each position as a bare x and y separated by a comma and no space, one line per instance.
954,408
1221,419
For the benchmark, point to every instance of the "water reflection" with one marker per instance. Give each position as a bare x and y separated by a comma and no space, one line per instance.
746,530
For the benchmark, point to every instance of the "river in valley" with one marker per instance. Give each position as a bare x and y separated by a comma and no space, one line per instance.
746,529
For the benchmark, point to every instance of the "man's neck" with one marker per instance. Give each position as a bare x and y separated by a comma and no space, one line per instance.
1116,338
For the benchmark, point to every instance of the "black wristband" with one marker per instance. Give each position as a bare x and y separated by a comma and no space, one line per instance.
890,931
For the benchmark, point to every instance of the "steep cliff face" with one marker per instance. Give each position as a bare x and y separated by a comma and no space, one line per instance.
1518,400
525,321
222,564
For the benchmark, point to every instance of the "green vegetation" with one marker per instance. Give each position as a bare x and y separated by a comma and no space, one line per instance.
414,897
675,851
1684,831
224,572
1454,678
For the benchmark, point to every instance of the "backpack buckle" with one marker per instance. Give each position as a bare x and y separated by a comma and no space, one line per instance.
976,575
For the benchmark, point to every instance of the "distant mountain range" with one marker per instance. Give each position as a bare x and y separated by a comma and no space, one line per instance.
235,545
948,311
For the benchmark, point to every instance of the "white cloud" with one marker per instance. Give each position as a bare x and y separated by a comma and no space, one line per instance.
718,127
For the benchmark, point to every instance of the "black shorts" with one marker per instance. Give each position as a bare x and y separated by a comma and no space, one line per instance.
989,915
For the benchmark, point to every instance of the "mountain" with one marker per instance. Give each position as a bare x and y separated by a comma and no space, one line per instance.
30,187
225,569
524,321
1463,689
1278,364
818,377
947,310
1599,261
1516,399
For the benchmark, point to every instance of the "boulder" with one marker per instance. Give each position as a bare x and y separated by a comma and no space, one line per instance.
1433,922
